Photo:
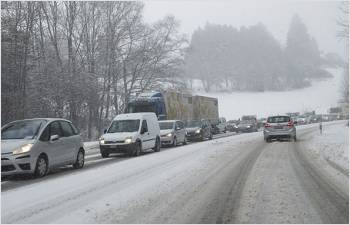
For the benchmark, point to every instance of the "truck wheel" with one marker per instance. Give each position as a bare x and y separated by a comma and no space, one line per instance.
175,142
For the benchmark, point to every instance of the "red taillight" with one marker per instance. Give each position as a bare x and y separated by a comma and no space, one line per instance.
290,124
267,125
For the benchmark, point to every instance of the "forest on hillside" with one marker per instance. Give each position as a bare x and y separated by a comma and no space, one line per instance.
225,58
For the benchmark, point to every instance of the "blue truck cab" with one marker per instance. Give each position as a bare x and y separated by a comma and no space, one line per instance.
148,102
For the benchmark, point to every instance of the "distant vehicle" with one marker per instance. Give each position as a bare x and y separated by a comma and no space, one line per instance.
261,122
248,124
172,132
315,119
218,125
35,146
232,125
301,120
198,130
279,127
131,134
171,105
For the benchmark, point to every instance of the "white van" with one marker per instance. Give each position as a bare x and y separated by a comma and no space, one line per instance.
131,133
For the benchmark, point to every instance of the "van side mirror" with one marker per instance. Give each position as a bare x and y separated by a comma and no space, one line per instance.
54,137
105,131
143,130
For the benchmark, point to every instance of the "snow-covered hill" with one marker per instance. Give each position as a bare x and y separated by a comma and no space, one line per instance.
320,96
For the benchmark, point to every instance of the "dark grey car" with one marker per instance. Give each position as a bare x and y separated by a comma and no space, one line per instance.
279,127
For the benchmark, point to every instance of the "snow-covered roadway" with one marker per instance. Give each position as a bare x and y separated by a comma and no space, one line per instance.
235,179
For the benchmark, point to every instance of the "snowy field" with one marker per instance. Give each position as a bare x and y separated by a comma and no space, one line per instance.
332,145
320,96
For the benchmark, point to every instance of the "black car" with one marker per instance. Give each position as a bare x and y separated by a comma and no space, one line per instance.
198,130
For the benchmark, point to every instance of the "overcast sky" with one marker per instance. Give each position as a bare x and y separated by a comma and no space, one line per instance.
319,16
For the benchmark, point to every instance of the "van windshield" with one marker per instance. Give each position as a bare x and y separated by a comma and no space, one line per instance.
119,126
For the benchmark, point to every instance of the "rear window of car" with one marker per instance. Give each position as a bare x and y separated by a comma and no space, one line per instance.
278,119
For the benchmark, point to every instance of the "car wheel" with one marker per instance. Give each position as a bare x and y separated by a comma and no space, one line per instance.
157,147
104,154
295,138
41,167
210,136
175,142
268,140
185,141
79,163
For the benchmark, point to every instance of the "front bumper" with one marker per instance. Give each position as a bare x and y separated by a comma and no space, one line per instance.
165,140
194,136
117,148
17,164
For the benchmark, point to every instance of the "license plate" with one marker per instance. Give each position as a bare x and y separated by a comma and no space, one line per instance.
278,127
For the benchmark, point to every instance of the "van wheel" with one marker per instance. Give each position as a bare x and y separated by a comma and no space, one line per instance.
41,167
79,163
137,149
175,142
157,147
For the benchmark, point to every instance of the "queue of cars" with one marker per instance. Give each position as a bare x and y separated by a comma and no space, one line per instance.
37,145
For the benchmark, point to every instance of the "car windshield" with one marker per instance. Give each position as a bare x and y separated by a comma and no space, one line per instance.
119,126
248,118
25,129
194,123
278,119
166,125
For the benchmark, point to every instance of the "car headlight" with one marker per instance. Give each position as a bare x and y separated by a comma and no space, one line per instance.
102,141
169,135
23,149
128,140
198,131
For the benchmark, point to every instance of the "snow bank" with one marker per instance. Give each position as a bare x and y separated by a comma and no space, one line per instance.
332,145
320,96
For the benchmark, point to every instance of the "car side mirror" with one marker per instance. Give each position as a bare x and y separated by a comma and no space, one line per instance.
105,131
54,137
295,122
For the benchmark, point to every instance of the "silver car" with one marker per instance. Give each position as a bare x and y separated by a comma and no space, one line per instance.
172,132
36,145
279,127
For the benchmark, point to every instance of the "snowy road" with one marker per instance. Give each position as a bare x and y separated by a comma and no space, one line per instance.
235,179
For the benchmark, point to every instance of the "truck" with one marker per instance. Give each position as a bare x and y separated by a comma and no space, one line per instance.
173,105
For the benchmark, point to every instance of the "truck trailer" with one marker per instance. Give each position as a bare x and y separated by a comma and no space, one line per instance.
171,105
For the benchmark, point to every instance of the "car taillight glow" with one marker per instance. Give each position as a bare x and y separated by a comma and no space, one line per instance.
267,125
290,124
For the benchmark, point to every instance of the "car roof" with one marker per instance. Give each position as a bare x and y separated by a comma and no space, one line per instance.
172,121
47,119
